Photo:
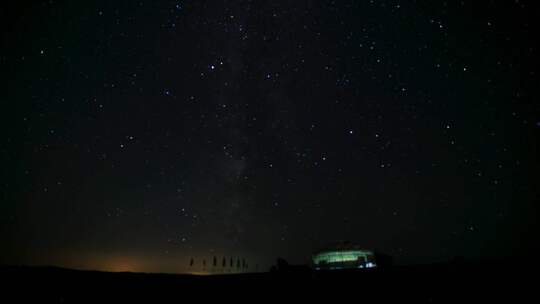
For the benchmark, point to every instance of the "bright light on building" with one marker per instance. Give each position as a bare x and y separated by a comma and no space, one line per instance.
344,257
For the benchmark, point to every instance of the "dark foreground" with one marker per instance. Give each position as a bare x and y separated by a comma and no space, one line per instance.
451,283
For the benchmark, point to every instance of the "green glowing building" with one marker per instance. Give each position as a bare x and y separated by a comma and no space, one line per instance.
344,256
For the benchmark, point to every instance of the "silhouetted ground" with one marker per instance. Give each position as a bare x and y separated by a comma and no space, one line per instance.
453,283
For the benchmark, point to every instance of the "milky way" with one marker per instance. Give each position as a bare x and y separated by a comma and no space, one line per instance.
141,134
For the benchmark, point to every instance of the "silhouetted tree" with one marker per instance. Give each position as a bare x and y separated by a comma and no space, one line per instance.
282,264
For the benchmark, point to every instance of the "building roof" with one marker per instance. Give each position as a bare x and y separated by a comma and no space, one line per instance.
342,246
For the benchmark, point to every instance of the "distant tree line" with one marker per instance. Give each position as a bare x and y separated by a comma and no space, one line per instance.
241,263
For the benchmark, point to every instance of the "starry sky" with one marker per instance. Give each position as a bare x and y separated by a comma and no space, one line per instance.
140,134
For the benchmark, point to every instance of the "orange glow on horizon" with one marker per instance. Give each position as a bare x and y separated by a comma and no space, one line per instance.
120,264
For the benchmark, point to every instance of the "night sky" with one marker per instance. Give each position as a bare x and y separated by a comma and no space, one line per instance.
139,134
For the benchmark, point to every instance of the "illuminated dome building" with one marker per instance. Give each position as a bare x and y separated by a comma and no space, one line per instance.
344,256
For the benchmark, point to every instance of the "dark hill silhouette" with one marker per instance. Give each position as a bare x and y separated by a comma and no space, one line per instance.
456,282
